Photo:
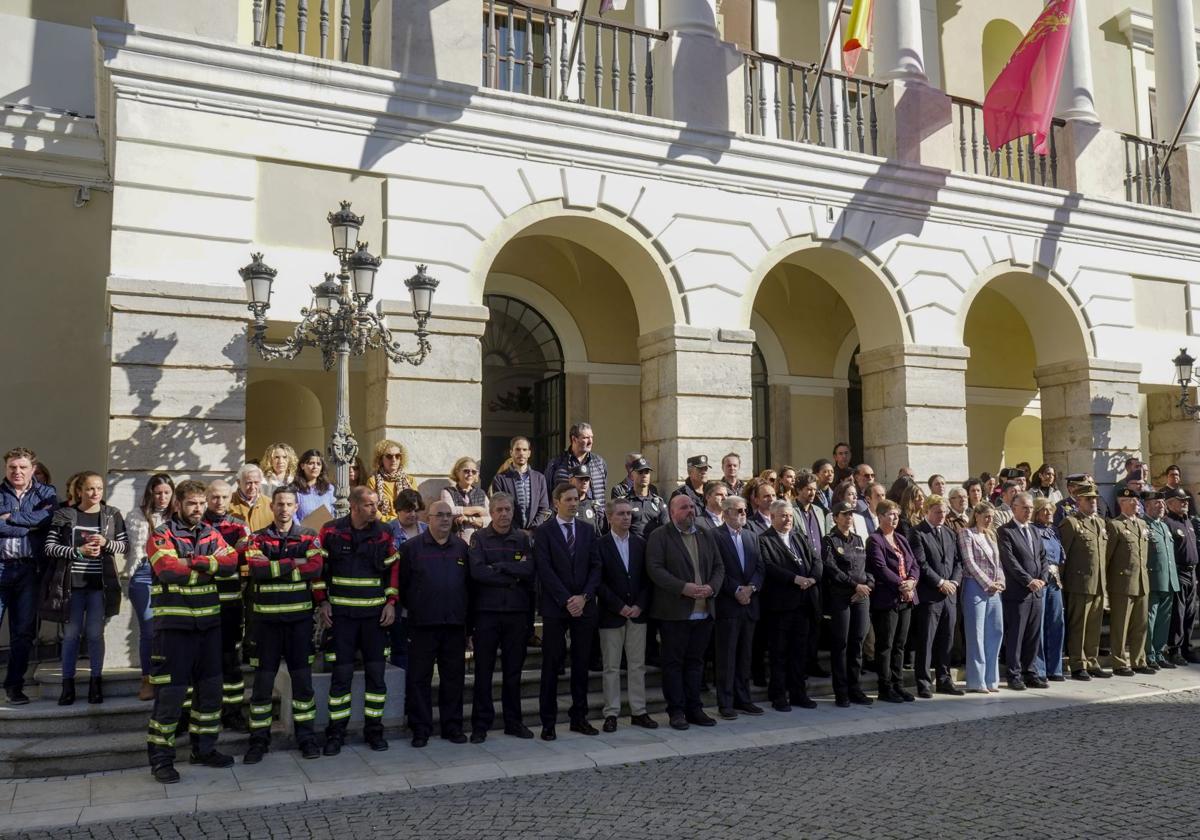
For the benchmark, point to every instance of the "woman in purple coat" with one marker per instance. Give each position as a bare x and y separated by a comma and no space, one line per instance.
890,560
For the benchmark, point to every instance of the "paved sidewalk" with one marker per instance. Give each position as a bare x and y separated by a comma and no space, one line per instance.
284,778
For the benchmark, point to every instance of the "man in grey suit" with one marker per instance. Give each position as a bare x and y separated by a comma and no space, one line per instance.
685,566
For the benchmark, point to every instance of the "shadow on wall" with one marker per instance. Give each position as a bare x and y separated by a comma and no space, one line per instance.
1106,464
859,220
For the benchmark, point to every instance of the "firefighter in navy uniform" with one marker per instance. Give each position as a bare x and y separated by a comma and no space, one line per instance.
358,603
229,590
186,556
284,560
649,508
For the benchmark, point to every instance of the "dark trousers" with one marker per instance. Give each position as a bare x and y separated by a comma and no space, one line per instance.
683,646
735,640
182,658
758,653
848,623
1183,618
1022,635
18,600
934,634
891,634
554,651
509,632
233,685
351,635
290,642
398,641
445,645
788,633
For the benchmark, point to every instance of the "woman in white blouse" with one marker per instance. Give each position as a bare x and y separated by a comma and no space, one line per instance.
983,581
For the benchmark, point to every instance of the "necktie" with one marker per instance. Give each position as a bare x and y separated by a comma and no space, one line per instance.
569,532
1029,538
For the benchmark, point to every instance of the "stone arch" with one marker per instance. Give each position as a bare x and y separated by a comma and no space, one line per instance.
615,239
1000,38
282,410
562,321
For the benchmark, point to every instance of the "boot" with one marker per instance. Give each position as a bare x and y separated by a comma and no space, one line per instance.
146,692
95,690
68,693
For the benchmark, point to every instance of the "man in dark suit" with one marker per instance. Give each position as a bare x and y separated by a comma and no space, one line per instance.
792,601
715,494
567,559
624,602
1025,570
527,486
936,550
737,609
758,517
685,566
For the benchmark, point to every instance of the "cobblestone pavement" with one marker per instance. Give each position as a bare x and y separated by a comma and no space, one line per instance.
1127,769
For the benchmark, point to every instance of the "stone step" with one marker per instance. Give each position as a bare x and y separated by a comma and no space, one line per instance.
39,756
118,682
45,718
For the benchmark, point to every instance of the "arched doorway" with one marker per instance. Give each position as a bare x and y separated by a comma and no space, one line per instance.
760,394
524,386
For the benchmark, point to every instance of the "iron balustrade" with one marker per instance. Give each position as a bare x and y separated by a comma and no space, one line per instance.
1145,180
527,49
270,19
1014,161
780,103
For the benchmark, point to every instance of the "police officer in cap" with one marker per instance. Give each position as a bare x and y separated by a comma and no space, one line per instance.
697,467
1183,619
589,511
649,508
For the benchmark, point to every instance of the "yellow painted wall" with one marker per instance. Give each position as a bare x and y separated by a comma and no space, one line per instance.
69,12
798,30
810,318
299,407
615,414
1002,354
57,376
813,433
1001,436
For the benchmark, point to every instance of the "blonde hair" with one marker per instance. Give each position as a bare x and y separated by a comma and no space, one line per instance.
459,464
382,447
292,460
1040,504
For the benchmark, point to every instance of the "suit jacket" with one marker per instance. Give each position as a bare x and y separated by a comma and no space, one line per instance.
780,566
539,501
1127,557
753,575
619,588
1021,564
1160,562
706,523
885,567
939,559
562,574
670,567
1085,545
758,523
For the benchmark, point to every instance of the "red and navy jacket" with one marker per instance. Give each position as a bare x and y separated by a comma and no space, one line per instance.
361,573
283,567
233,531
186,562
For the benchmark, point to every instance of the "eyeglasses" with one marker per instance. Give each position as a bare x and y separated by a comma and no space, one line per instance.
738,511
465,471
391,455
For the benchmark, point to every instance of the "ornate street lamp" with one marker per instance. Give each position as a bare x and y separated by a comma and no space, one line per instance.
339,324
1184,365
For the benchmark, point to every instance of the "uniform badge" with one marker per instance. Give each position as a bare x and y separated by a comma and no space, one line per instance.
518,557
1179,532
841,550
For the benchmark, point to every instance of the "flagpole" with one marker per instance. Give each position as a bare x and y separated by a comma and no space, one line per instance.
576,41
833,28
1178,131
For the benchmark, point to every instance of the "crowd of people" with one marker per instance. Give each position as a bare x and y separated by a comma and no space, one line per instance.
750,573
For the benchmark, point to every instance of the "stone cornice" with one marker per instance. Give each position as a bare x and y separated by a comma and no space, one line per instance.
276,87
57,147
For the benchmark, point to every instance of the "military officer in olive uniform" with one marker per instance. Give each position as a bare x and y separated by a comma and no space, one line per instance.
1128,585
1164,581
590,510
649,508
1084,540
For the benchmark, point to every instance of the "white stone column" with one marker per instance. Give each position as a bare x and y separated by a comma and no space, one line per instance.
915,410
1090,417
1174,437
1175,70
766,40
899,46
696,397
698,79
693,17
435,39
829,14
646,13
1076,94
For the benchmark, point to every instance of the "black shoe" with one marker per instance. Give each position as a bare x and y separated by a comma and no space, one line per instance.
455,738
860,698
1016,684
610,724
255,754
380,744
1081,675
95,690
679,722
1056,678
1153,666
1036,682
310,750
748,708
700,719
903,695
67,697
842,703
211,759
1145,669
519,731
924,692
16,697
418,741
478,736
781,707
584,728
548,733
1100,673
890,697
333,746
804,702
1192,658
1123,672
644,721
949,688
166,774
727,714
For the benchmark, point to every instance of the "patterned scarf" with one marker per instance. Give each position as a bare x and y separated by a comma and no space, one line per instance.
386,501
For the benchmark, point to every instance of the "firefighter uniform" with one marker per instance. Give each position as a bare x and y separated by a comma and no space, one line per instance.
229,590
283,567
185,562
360,577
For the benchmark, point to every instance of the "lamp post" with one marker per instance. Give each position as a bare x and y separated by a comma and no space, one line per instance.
1184,365
339,324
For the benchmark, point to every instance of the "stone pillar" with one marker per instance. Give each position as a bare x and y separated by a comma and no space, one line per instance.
915,410
899,45
698,79
1076,94
177,399
695,397
1175,70
436,39
432,408
217,19
1091,160
1090,417
766,39
1174,438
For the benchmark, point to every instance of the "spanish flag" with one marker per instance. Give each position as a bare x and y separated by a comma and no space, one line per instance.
858,36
